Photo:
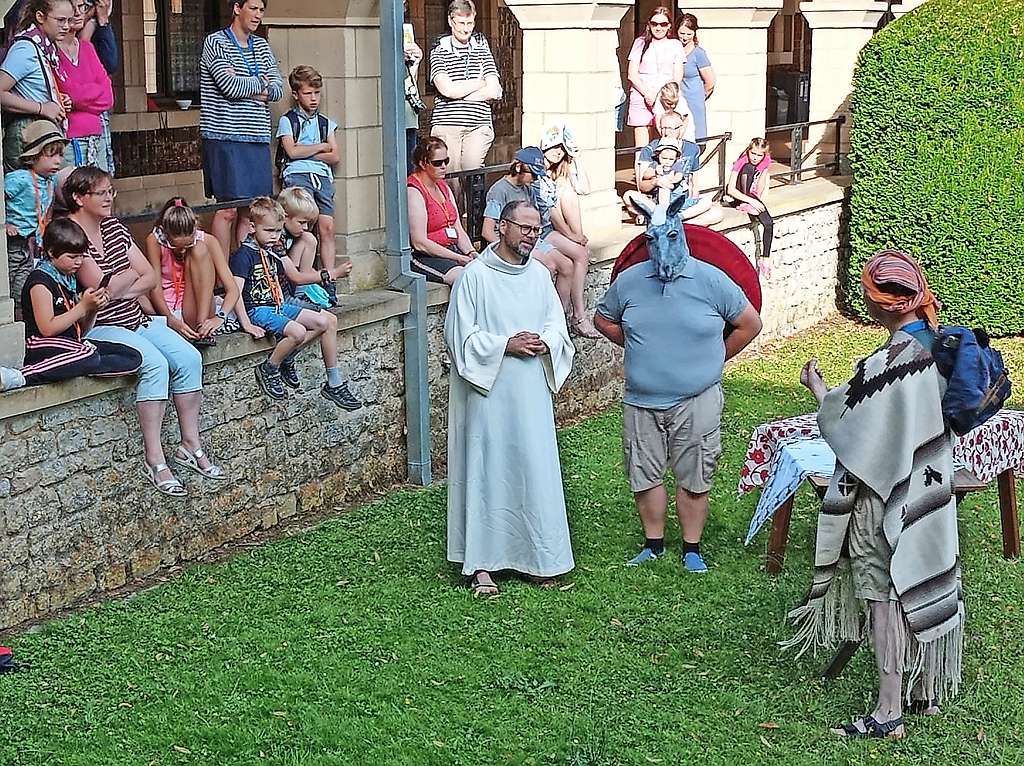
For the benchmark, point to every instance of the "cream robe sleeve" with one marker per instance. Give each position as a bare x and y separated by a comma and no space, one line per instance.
476,353
558,361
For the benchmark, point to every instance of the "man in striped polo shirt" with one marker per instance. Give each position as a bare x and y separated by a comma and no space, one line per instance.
463,72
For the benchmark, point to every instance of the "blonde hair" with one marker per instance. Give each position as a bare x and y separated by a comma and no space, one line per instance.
263,209
298,202
669,96
757,143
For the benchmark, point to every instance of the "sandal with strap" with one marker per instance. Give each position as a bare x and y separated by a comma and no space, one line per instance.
482,589
170,486
872,729
187,459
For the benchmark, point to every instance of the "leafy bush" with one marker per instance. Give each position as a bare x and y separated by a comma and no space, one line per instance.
938,156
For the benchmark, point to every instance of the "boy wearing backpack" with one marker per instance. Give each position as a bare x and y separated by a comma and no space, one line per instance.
306,150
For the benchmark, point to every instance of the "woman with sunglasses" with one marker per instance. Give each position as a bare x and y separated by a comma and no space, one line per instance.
171,366
656,58
30,88
191,264
440,245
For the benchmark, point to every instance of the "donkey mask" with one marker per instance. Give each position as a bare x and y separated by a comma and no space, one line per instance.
666,242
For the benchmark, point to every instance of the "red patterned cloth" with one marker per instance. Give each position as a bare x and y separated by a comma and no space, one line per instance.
993,447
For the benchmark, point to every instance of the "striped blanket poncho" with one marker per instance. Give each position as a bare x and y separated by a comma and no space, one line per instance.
886,428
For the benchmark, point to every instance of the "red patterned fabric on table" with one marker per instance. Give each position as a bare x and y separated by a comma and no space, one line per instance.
995,446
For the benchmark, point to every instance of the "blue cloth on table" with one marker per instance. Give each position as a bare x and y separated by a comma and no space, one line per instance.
796,460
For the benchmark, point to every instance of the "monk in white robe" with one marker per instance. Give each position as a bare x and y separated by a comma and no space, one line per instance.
510,348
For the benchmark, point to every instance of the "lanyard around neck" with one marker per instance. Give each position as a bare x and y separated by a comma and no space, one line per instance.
250,63
272,283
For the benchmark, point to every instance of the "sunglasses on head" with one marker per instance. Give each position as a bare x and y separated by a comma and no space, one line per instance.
440,163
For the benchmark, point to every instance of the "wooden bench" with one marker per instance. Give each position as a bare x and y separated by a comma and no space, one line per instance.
964,482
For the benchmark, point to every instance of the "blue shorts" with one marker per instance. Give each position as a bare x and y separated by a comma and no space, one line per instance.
274,319
321,187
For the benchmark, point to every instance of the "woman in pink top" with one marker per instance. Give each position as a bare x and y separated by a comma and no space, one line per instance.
656,58
87,83
191,264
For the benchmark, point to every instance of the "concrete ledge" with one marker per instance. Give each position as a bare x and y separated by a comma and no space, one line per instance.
782,200
359,309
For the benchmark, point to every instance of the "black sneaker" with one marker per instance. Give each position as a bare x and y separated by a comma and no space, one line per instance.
270,382
341,396
288,375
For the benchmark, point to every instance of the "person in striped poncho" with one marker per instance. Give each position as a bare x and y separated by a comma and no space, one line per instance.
887,532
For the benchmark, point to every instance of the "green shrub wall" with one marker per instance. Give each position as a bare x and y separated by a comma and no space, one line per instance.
938,156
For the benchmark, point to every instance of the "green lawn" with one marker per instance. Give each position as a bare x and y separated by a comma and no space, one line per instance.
356,644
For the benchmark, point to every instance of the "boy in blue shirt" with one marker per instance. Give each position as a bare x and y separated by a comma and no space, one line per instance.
307,150
260,275
28,192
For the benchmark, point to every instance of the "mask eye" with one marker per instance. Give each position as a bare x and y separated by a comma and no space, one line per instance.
649,237
673,235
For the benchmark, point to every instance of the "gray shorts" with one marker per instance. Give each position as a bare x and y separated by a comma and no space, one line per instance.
687,437
870,554
321,187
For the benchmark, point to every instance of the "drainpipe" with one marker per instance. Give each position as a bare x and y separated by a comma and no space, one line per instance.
396,227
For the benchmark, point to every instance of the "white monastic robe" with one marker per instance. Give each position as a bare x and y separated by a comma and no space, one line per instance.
506,509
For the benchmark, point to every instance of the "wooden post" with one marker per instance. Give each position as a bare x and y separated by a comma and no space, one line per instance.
1008,514
780,536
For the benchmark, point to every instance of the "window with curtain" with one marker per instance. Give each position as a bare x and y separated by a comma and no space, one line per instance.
173,32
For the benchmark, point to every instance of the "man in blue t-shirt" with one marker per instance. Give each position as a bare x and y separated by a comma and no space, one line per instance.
672,331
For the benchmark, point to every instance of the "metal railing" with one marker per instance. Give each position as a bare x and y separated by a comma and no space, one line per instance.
472,194
717,152
149,215
799,132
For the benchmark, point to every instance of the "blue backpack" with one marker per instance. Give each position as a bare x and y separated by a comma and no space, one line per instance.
978,384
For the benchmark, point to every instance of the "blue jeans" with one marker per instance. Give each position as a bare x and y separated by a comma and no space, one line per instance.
170,364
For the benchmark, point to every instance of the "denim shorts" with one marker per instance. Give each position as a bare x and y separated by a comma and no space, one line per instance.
274,319
321,187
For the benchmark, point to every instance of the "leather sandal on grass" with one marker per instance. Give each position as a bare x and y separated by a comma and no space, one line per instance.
187,459
481,588
170,486
872,729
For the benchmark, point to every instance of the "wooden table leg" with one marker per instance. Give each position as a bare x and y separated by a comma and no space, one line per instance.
1008,515
779,537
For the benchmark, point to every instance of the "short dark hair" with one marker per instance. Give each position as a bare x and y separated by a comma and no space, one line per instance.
82,181
514,205
239,3
64,236
304,75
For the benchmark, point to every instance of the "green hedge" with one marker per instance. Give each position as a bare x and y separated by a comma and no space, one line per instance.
938,156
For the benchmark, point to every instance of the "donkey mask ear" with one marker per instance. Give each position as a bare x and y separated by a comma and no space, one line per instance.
676,205
641,201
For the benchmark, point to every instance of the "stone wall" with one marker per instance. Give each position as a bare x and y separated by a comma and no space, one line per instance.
77,517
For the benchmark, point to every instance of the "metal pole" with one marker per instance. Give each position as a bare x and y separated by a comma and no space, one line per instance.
396,227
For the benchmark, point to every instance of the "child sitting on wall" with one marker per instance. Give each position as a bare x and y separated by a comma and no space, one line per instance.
259,274
56,319
298,244
28,192
190,264
307,149
670,176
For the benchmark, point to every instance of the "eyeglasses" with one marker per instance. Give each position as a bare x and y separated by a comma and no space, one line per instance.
440,163
111,192
62,21
661,24
526,229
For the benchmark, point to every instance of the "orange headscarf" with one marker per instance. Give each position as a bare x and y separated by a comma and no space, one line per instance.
895,267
